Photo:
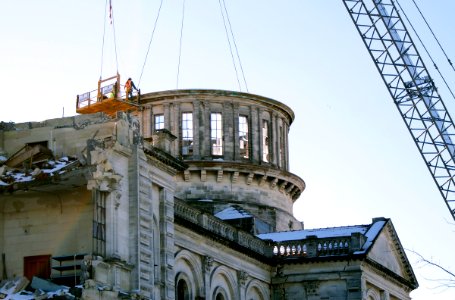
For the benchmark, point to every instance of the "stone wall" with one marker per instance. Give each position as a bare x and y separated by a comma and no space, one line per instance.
209,268
45,223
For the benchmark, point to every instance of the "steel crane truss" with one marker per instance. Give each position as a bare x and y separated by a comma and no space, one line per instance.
411,87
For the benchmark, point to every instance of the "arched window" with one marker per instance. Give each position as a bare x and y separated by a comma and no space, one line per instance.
183,292
219,296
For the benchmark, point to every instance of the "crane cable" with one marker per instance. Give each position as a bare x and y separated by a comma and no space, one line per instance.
111,16
230,46
150,43
235,45
180,45
428,25
426,50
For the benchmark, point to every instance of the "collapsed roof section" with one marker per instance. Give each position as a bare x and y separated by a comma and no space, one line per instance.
58,153
38,174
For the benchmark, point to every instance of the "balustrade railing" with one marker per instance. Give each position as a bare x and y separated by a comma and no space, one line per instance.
217,226
309,247
313,247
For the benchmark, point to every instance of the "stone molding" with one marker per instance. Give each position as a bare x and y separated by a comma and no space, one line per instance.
282,181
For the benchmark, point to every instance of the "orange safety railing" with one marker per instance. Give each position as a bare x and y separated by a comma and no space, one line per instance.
108,89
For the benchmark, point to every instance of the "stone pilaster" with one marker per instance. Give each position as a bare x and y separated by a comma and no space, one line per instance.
167,244
196,126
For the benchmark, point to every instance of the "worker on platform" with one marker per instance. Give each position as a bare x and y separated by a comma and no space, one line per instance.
129,86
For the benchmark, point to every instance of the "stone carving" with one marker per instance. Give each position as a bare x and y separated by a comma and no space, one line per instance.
242,276
208,263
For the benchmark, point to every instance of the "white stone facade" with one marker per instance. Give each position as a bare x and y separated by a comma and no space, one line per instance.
134,213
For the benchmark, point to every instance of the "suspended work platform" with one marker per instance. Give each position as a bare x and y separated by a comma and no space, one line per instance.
108,98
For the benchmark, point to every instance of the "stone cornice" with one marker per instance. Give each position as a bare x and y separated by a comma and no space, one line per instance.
261,175
165,158
202,94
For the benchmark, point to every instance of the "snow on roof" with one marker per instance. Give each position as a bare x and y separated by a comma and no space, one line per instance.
371,234
53,167
231,213
370,231
319,233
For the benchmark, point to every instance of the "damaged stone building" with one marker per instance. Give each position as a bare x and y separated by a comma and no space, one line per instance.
186,196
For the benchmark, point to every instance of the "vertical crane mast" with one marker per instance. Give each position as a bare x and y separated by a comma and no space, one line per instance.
411,87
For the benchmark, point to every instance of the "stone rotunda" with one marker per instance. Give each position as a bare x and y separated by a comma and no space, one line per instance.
236,145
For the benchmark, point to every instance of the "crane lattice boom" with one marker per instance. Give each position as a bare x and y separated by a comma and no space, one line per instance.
411,87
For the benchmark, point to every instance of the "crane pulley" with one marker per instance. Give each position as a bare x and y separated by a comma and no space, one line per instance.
411,87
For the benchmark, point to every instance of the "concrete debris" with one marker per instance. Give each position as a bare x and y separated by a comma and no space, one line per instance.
48,170
12,286
19,289
44,285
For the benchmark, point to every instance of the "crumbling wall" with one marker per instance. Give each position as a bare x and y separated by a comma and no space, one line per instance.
64,136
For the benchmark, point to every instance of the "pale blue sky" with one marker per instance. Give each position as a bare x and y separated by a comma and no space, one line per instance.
348,141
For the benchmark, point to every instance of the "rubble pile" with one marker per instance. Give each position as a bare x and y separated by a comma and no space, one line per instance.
49,170
21,288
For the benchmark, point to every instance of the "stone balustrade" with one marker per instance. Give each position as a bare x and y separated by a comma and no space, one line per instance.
314,247
220,228
309,247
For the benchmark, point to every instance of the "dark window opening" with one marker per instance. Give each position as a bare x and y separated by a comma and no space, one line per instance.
99,224
187,134
183,292
243,137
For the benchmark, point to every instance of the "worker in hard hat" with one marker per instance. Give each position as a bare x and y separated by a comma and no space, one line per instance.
129,86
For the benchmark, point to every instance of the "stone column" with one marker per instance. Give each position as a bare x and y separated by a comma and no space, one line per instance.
255,135
146,123
196,126
206,150
260,135
167,244
274,139
286,145
207,264
242,276
235,127
228,130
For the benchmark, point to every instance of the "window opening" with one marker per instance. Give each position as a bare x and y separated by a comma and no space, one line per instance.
159,122
187,133
216,122
219,296
243,137
183,292
265,141
99,224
